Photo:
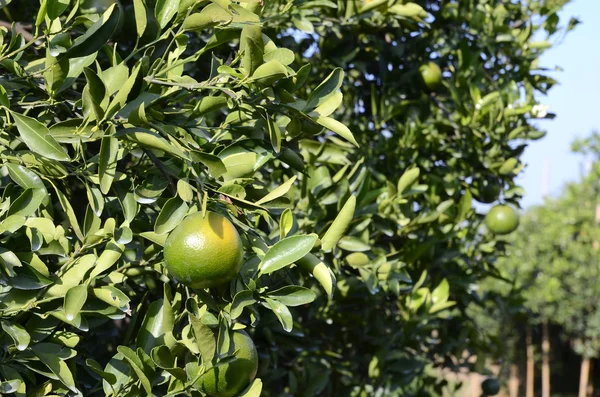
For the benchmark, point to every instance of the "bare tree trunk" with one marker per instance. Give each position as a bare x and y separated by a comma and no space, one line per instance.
513,382
530,364
545,360
590,388
584,376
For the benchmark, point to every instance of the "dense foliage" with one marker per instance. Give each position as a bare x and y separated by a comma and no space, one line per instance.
309,126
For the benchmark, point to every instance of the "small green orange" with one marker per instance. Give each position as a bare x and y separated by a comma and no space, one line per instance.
490,387
204,252
230,379
502,219
431,75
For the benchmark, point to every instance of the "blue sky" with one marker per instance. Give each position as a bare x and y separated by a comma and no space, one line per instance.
576,102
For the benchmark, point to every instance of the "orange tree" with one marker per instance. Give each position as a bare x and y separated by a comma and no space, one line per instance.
344,141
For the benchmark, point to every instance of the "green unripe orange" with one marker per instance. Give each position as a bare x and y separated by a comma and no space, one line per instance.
502,219
490,387
431,75
204,252
230,379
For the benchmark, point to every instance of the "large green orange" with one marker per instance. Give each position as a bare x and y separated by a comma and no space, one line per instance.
230,379
204,252
502,219
431,75
490,387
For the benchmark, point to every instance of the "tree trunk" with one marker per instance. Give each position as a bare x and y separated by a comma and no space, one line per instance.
513,382
530,364
590,388
545,360
584,376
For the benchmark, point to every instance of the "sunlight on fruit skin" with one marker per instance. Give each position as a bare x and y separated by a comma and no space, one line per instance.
204,252
502,219
231,379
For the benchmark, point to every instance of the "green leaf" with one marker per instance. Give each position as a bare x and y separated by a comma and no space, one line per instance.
268,73
408,179
320,271
282,313
141,19
210,16
286,223
409,10
171,215
55,8
184,190
24,177
251,46
253,390
120,99
159,320
240,301
286,252
293,295
74,301
97,35
340,225
107,165
304,25
278,191
66,206
138,367
326,89
38,139
107,376
111,254
151,140
214,164
165,10
337,127
351,243
205,339
18,334
28,202
48,355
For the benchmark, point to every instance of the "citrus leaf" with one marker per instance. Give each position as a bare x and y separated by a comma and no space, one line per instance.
338,128
97,35
171,215
326,89
321,272
340,225
111,254
253,390
138,367
240,301
165,10
56,364
293,295
18,334
282,313
107,165
74,300
141,21
286,252
38,139
24,177
278,191
205,339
